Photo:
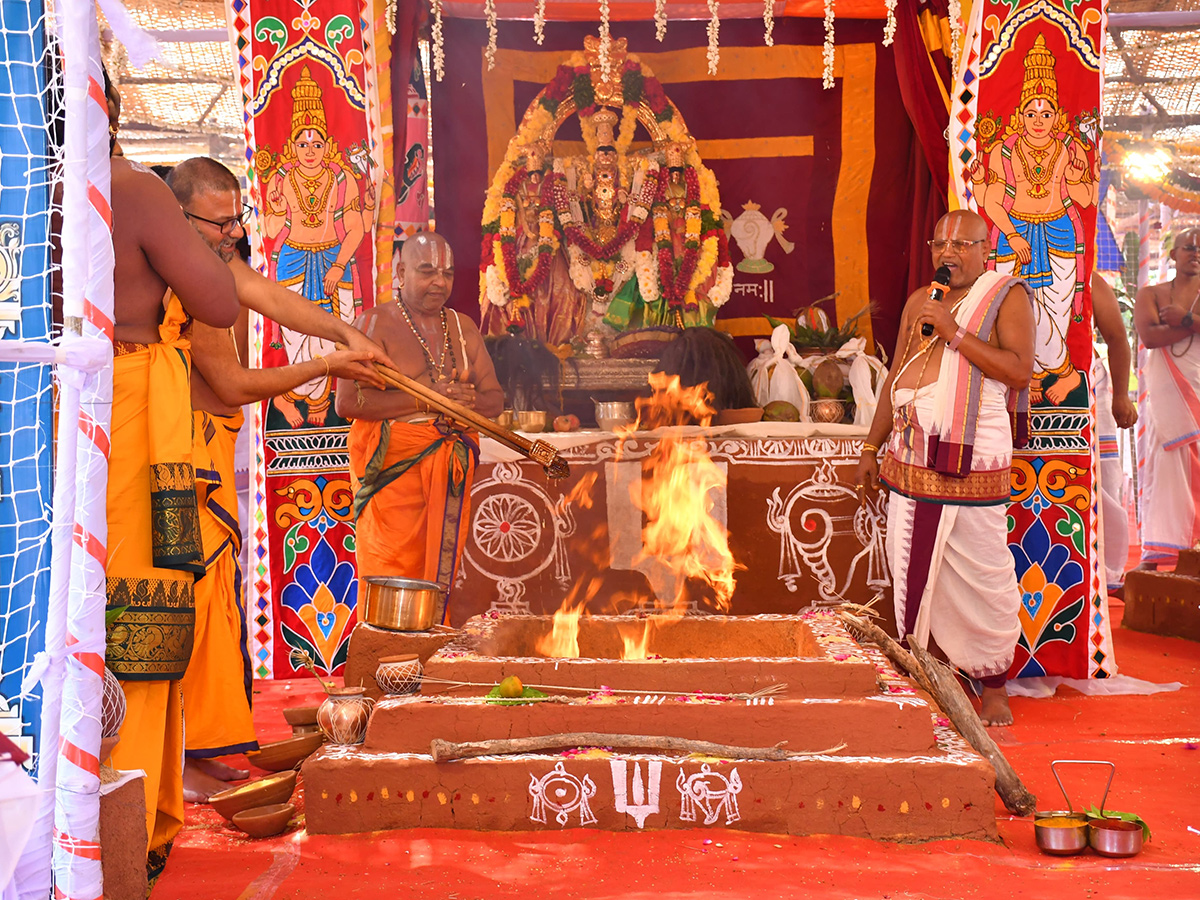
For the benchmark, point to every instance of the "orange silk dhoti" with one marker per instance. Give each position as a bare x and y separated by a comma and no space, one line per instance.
217,685
412,503
154,558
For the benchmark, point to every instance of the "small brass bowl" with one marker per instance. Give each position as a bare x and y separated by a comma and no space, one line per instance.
531,420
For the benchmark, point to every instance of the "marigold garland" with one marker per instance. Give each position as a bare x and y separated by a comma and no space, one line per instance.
506,236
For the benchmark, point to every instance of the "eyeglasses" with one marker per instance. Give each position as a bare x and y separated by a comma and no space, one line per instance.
960,246
227,225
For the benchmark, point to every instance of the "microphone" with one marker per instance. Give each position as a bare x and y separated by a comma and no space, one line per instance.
941,276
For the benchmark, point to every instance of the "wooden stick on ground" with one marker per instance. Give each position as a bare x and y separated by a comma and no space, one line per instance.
958,709
944,688
541,452
446,751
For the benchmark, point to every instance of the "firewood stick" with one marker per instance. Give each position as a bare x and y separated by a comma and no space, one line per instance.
958,709
539,451
447,751
902,659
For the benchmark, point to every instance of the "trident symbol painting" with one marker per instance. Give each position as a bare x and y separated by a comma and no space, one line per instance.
644,800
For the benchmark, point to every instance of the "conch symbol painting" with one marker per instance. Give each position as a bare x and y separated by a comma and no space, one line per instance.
754,232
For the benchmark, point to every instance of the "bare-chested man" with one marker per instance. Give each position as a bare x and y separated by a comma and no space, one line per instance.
948,459
1167,317
216,688
411,470
163,274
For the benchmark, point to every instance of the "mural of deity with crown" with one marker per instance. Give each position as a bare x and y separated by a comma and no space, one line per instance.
630,238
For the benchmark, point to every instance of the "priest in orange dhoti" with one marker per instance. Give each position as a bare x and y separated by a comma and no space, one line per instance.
410,468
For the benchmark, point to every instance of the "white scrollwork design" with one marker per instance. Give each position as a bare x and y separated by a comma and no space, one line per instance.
710,793
507,527
10,277
813,499
560,792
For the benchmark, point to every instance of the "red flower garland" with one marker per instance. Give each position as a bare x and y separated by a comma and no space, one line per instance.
518,286
675,284
576,236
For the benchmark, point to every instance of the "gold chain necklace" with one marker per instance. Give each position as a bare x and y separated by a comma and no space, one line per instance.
1037,173
312,207
436,368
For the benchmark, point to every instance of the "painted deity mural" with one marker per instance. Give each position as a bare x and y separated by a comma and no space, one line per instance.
1026,154
316,168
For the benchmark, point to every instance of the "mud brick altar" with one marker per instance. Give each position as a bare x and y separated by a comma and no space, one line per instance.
900,772
1166,603
794,521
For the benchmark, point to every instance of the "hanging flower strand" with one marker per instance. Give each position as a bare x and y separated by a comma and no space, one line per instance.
827,50
539,22
955,13
660,19
889,27
769,22
489,11
714,32
439,49
605,42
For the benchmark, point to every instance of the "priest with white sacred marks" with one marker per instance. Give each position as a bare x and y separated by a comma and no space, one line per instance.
944,425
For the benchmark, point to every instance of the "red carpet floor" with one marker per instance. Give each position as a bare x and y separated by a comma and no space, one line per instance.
1154,741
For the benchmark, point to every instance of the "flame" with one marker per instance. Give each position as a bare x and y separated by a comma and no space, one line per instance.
635,645
677,496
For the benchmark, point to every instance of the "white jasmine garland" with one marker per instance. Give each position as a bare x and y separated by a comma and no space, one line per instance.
714,31
645,264
660,19
769,22
827,50
605,42
489,11
439,50
497,290
722,288
580,269
955,13
389,15
889,27
539,22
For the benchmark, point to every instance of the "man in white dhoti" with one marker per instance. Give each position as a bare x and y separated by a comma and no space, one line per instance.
946,407
1167,321
1114,410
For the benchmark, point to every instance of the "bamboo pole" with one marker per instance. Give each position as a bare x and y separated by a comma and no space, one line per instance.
447,751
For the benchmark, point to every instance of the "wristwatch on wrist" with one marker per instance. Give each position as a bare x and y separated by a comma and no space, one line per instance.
1187,319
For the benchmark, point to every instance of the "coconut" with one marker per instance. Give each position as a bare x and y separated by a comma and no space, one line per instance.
780,411
828,379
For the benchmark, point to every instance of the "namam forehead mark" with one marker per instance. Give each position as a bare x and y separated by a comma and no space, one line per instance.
427,248
1183,237
961,225
1039,104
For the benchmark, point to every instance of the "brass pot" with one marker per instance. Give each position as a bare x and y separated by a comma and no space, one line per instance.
402,604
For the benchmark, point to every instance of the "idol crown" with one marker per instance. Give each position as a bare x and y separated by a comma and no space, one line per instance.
308,112
1039,83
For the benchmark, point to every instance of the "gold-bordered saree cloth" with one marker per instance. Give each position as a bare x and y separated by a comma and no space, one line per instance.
412,503
154,544
217,688
961,452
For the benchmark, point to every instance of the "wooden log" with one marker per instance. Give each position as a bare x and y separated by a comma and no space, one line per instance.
958,709
901,658
446,751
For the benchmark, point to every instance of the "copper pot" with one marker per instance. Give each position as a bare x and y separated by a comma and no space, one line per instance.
402,604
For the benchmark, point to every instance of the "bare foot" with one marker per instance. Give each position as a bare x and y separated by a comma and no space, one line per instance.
995,709
317,417
198,785
289,411
1058,391
218,769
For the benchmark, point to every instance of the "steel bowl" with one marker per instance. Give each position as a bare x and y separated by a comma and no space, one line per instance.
402,604
1060,832
1115,837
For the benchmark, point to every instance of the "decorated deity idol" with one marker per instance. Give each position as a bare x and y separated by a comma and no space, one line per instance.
314,211
1037,177
626,268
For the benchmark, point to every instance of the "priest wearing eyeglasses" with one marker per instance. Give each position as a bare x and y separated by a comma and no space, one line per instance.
964,357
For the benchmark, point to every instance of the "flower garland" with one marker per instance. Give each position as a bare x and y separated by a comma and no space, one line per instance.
769,22
660,20
605,42
506,236
827,54
676,283
646,269
889,27
714,31
489,12
439,49
955,14
628,127
539,22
